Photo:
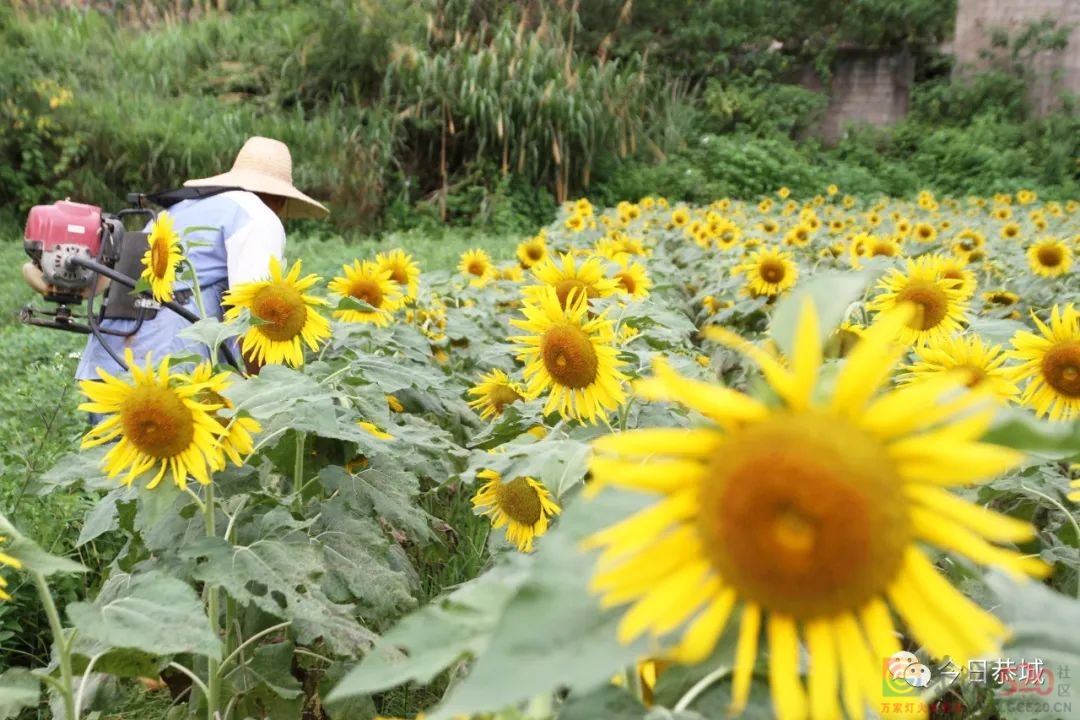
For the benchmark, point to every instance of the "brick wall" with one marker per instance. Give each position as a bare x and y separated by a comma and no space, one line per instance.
1053,73
867,87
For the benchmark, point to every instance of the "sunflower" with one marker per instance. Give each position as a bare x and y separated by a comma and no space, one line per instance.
493,393
940,304
969,353
1049,257
366,281
1051,364
523,505
236,439
955,268
589,278
476,262
403,270
769,272
924,232
680,216
869,246
968,241
807,536
570,355
286,316
575,223
1001,298
160,423
7,561
725,234
1010,231
532,251
163,257
632,279
798,236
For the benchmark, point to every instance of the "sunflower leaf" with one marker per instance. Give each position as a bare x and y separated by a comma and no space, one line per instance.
832,294
1046,441
577,648
151,612
1045,627
19,689
283,579
433,638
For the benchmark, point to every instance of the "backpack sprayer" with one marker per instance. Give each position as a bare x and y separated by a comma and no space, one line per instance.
77,252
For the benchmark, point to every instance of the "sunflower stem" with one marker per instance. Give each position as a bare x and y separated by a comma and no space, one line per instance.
213,679
632,678
63,645
195,289
298,467
1063,509
699,687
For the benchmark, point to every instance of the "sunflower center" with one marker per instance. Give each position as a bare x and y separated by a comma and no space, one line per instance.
534,253
156,421
477,267
931,301
569,356
802,522
502,395
627,281
159,259
368,291
519,501
282,311
978,375
1061,368
564,287
398,275
1050,255
883,250
772,271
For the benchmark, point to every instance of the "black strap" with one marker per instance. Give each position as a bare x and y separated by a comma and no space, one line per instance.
168,198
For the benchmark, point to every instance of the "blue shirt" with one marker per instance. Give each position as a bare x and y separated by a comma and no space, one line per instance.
245,235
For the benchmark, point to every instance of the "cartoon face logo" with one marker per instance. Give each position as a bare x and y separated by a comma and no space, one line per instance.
904,674
917,675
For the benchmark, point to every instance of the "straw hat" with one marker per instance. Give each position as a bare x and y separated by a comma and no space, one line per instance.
264,165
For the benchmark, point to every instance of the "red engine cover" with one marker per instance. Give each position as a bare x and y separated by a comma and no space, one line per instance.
64,223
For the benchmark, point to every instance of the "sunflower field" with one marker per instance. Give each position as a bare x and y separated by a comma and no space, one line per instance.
783,457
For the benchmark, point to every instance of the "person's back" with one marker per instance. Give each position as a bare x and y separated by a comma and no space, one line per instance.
235,236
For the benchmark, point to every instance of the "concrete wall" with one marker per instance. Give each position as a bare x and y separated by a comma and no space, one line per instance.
867,87
1053,72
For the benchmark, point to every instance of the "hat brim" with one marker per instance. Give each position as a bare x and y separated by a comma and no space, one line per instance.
298,205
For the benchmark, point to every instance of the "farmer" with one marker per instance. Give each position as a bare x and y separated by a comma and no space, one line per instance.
236,221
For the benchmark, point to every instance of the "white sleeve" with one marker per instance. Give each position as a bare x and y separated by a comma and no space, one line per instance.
250,248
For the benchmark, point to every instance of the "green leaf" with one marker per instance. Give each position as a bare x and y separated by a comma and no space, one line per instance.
31,555
153,612
362,563
1041,440
121,663
381,492
350,303
608,702
832,294
393,375
431,639
19,689
268,666
553,625
284,580
1045,626
211,332
103,518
